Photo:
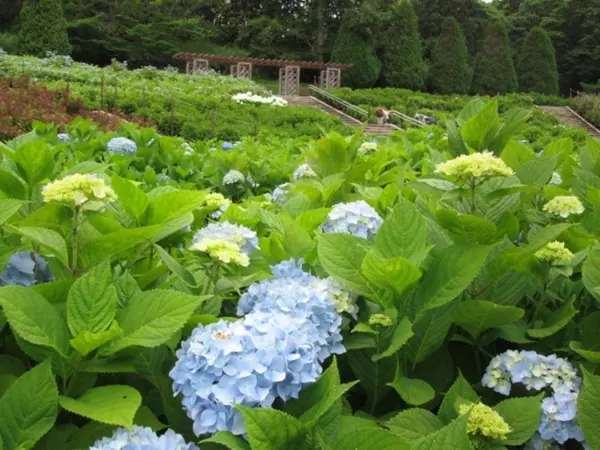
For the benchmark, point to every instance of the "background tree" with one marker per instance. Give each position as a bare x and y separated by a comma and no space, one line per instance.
401,56
494,67
43,28
537,64
450,71
354,45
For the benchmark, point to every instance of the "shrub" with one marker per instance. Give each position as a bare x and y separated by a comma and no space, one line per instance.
588,105
450,72
43,28
494,68
402,59
537,64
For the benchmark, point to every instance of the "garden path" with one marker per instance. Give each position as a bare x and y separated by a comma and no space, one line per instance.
569,117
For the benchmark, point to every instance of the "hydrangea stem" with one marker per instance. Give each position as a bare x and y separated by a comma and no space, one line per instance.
212,278
472,185
74,255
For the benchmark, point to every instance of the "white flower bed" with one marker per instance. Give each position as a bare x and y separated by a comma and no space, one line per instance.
249,97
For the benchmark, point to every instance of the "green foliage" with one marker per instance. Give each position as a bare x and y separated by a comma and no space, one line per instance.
494,69
450,72
354,45
537,64
402,59
43,28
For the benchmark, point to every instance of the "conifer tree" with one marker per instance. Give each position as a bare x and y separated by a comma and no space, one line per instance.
43,28
537,67
494,67
450,71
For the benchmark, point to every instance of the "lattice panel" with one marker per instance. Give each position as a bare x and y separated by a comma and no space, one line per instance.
292,80
233,70
189,67
334,78
200,65
244,70
282,81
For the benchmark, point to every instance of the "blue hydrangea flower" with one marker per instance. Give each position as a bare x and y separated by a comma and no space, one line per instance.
63,137
539,372
122,145
233,177
304,171
356,218
280,193
25,269
227,146
142,438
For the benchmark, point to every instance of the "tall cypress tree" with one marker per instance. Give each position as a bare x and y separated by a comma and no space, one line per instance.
537,64
43,28
354,45
494,67
402,57
450,70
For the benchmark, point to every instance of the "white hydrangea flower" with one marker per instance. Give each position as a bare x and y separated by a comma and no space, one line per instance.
304,171
78,189
475,165
233,177
249,97
564,206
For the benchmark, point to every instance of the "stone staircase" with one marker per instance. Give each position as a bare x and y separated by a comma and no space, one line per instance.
569,117
313,102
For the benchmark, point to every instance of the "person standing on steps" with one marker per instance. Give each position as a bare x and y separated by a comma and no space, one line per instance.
382,116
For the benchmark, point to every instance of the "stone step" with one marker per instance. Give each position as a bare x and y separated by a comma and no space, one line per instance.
567,116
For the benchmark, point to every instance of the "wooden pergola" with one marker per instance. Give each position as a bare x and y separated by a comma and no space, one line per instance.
289,70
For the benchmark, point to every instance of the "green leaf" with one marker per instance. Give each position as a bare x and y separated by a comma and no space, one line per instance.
8,208
173,205
46,238
29,408
373,375
402,333
479,131
452,436
361,434
35,160
92,301
537,172
430,331
395,274
589,355
12,184
34,319
591,272
146,418
461,389
450,274
228,440
114,405
272,220
523,417
133,199
178,269
152,317
556,321
589,347
465,228
403,233
86,342
341,256
149,363
588,409
270,429
477,316
297,242
414,424
127,287
412,390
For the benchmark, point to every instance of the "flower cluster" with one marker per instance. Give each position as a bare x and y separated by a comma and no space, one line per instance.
475,165
249,97
367,148
226,242
556,179
122,145
380,320
77,189
304,171
564,206
537,372
63,137
216,201
234,177
227,146
356,218
554,251
280,194
188,150
25,269
275,350
484,421
142,438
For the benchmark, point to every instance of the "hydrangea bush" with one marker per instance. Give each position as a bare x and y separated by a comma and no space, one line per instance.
439,293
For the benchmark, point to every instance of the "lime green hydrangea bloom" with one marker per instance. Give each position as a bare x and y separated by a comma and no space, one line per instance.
367,148
484,421
78,189
216,200
380,319
224,251
564,206
554,251
476,165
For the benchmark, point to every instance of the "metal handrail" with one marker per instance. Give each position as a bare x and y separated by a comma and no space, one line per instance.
406,118
349,106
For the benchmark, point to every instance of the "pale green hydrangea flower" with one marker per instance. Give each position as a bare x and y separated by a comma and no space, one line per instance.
78,189
367,148
554,251
476,165
484,421
381,320
224,251
564,206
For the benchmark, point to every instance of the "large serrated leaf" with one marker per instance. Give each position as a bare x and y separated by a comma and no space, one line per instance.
395,274
591,273
412,390
181,271
403,233
361,434
133,199
588,411
270,429
115,405
173,205
556,321
452,436
414,424
8,208
402,333
461,389
523,417
46,238
228,440
92,301
477,316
